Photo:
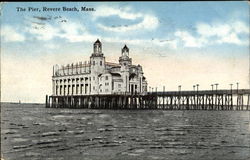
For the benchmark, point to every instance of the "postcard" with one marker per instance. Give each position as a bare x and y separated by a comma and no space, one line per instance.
125,80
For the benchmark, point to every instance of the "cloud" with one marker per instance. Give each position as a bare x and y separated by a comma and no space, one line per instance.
240,27
124,13
189,40
148,21
216,33
206,34
208,30
231,38
75,32
71,31
9,34
47,32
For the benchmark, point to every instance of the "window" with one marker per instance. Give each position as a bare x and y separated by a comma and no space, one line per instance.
101,63
119,85
77,86
81,88
106,84
93,62
107,77
94,88
93,78
60,90
56,89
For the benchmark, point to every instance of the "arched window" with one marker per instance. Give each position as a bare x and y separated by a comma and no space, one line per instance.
101,63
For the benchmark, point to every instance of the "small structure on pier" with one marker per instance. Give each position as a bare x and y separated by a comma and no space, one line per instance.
98,77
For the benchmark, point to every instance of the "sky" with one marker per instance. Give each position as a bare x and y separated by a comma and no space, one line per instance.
177,43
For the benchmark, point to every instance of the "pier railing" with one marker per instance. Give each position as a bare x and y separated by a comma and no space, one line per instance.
203,92
172,100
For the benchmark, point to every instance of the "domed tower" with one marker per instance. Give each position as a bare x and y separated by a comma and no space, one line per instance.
97,58
125,51
97,61
97,47
124,59
125,62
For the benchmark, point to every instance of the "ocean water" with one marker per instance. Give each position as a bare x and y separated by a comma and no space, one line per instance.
30,132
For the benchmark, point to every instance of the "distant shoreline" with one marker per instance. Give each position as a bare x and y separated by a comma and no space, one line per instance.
22,103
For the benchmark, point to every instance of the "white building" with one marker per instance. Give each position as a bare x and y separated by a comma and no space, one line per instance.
98,76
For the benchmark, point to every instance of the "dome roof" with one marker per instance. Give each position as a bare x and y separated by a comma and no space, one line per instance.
125,47
97,41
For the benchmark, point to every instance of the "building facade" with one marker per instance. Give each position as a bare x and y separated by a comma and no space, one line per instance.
97,76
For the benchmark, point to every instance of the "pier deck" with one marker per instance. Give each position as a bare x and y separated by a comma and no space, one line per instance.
171,100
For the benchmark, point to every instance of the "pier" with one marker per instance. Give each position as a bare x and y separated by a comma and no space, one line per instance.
238,99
